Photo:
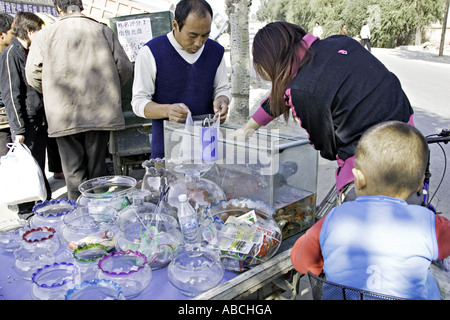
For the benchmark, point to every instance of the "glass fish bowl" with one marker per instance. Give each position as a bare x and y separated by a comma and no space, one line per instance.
129,269
86,259
201,192
11,239
84,227
95,290
107,191
41,237
193,272
50,213
52,281
27,260
245,232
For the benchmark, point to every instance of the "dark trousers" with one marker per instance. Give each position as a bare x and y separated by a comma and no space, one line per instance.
53,157
82,157
5,137
366,43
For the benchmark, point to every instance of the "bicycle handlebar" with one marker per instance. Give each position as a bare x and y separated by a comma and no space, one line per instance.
443,136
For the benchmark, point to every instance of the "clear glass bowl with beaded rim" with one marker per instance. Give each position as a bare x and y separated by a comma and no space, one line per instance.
52,281
129,269
41,237
50,213
86,259
95,290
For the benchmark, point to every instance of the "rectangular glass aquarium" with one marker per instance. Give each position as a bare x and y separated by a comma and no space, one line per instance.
274,168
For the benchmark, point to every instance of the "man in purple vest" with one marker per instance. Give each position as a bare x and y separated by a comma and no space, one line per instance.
180,72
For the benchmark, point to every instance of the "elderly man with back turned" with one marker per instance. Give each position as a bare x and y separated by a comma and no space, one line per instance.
79,66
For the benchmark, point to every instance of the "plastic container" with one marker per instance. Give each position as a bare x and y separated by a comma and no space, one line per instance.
194,272
95,290
129,269
52,281
187,217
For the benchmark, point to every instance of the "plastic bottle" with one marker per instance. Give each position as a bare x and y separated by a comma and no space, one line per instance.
187,218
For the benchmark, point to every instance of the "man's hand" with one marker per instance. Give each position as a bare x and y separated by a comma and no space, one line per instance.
220,105
19,138
177,112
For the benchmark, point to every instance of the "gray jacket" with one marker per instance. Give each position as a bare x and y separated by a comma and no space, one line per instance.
79,66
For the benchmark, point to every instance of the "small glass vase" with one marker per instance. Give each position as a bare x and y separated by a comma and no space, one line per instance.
52,281
129,269
95,290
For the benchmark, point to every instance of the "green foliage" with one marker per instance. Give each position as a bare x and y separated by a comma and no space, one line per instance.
392,22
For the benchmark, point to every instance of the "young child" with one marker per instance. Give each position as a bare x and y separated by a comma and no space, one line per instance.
378,242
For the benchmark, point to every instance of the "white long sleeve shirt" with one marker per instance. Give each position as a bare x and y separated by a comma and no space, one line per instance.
145,75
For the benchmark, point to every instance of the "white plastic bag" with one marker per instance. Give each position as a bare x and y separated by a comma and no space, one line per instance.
21,178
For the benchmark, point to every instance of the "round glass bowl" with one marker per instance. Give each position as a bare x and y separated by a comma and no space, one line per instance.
27,260
52,281
107,191
155,235
50,213
82,227
41,237
129,269
86,259
95,290
201,192
249,221
194,272
10,240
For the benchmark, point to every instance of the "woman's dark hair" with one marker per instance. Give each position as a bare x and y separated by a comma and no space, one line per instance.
64,4
185,7
24,22
276,58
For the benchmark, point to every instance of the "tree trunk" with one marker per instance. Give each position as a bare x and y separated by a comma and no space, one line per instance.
444,28
418,39
238,12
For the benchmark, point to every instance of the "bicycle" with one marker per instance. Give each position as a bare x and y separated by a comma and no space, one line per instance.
330,200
